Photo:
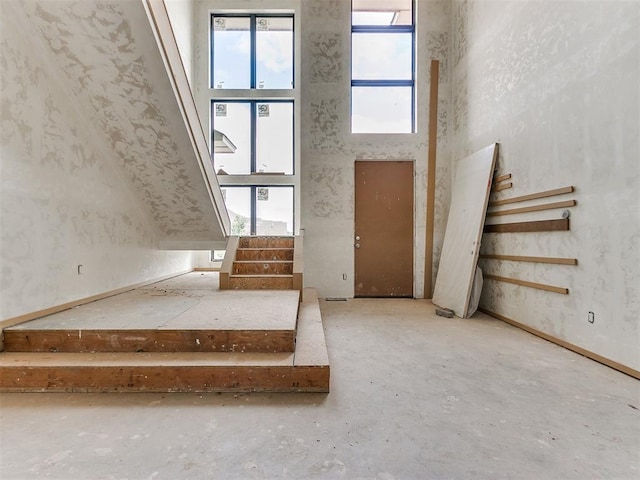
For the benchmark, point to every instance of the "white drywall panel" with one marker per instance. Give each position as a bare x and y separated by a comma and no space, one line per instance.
461,246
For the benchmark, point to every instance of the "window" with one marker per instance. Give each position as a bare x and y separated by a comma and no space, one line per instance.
252,51
382,66
260,210
253,134
217,256
261,133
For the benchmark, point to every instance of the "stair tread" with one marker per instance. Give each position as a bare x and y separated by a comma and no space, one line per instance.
282,275
263,261
145,359
264,248
132,330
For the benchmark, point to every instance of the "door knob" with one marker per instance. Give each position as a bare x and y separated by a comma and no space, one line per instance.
357,245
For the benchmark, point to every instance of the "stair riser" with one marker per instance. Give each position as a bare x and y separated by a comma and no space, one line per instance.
164,379
262,268
266,242
266,341
261,283
265,255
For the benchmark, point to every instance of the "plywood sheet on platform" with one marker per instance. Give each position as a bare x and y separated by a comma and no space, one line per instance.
136,309
202,281
179,303
242,310
461,246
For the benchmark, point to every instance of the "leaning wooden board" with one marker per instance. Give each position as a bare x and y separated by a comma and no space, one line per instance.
461,245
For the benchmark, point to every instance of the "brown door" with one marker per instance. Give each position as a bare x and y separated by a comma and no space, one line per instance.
383,239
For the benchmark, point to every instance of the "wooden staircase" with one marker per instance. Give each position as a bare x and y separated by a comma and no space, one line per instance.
262,263
227,342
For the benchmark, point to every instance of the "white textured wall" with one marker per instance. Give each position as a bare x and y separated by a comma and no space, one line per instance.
329,150
557,84
63,199
181,13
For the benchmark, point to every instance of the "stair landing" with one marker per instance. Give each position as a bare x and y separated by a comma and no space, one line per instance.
166,321
105,346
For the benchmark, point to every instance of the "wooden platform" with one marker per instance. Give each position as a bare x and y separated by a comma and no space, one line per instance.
172,359
169,321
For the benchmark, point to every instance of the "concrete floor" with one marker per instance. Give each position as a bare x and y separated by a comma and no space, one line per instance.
413,396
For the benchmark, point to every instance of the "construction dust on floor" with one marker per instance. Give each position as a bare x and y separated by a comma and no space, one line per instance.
413,396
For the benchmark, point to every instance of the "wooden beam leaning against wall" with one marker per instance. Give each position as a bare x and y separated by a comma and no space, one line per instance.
431,178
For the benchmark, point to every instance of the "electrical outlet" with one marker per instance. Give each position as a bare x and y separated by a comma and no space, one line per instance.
344,276
79,269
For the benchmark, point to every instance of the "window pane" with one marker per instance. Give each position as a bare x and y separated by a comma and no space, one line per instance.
231,52
382,12
274,52
238,202
274,137
231,137
377,56
372,18
381,110
274,210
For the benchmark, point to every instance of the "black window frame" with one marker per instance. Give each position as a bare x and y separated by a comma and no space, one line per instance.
254,129
253,219
253,56
388,29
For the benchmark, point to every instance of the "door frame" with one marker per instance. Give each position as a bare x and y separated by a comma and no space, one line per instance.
414,215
